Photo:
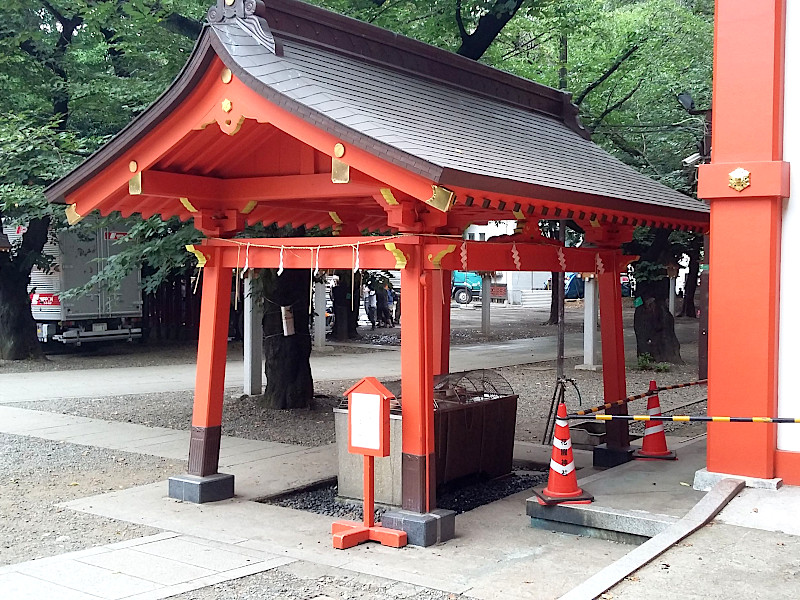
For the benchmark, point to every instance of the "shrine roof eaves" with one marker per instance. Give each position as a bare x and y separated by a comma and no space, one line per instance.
452,120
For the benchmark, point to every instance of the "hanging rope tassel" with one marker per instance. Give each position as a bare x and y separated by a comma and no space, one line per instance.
280,263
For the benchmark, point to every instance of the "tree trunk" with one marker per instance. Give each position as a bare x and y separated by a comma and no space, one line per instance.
18,339
287,367
655,331
652,322
346,303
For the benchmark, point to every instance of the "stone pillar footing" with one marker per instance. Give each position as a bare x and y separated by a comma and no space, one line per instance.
586,367
704,480
423,529
199,490
605,457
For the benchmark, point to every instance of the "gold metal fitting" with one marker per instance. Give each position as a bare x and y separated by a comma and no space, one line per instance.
133,166
338,150
226,75
739,179
227,105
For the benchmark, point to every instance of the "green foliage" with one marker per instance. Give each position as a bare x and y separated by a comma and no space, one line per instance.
645,362
75,72
72,74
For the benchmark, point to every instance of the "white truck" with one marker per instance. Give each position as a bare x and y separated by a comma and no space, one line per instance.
96,316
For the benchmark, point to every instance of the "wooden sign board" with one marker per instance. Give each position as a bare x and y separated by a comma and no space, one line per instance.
368,418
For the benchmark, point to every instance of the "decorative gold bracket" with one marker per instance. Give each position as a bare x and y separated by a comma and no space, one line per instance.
201,258
437,260
400,259
340,171
188,205
249,207
442,198
135,184
389,197
72,215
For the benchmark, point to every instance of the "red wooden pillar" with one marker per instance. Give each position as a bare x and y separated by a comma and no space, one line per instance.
440,292
416,349
613,347
211,355
747,134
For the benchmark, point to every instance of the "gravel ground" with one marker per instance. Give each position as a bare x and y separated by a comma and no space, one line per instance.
244,417
39,474
304,581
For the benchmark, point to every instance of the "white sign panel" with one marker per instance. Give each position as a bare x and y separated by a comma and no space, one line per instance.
365,420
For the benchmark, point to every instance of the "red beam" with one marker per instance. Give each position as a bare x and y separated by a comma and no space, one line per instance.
302,253
221,193
499,256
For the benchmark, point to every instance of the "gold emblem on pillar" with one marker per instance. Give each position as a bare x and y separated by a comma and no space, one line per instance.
227,105
739,179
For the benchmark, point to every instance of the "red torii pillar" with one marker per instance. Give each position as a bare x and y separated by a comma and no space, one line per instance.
745,183
203,483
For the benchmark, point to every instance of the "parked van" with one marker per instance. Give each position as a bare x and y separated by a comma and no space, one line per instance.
97,315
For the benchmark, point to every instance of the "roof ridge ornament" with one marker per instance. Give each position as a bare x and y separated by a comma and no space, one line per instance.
249,15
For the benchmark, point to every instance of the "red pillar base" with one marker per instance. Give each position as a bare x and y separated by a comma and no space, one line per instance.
347,534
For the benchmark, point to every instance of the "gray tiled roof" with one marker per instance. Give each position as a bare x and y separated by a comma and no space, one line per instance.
437,127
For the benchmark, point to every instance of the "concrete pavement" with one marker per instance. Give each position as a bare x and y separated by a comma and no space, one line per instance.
750,549
495,554
384,362
29,386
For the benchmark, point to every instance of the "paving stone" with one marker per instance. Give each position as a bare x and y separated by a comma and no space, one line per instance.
83,577
158,569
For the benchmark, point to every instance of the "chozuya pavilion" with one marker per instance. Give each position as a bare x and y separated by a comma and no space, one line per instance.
290,114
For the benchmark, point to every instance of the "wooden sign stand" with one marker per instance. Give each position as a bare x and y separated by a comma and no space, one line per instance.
368,435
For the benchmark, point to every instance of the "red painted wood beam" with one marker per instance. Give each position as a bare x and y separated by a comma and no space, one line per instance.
215,192
303,253
499,256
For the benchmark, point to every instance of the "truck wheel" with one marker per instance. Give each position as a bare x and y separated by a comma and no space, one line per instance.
463,296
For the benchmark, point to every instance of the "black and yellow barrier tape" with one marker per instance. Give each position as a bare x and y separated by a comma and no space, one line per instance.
589,411
688,418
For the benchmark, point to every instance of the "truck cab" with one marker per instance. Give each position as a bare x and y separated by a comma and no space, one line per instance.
466,286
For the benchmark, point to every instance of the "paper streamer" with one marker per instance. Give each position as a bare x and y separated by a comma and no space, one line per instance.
515,256
599,264
562,260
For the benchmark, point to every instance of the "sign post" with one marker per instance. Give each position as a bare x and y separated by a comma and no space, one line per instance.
368,435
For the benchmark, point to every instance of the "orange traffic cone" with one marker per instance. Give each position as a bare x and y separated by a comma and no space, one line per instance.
654,445
562,484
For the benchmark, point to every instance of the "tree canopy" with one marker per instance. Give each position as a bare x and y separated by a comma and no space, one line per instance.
74,72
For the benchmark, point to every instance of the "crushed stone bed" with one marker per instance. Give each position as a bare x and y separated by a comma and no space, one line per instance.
40,474
325,501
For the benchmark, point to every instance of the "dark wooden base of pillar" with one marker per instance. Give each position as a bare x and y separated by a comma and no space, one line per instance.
204,450
423,529
419,486
199,490
604,457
